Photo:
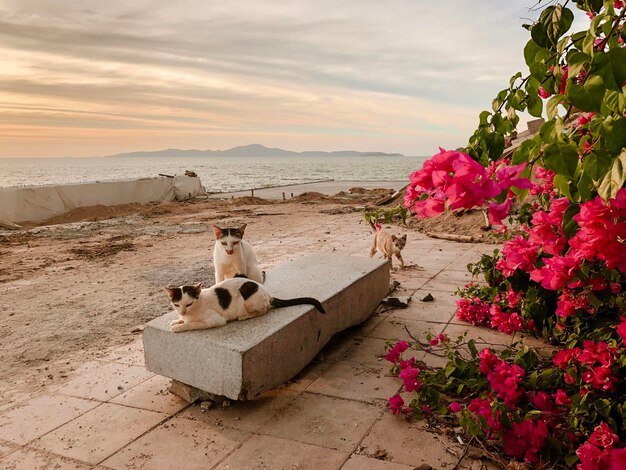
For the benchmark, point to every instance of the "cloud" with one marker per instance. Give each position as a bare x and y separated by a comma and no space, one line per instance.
398,75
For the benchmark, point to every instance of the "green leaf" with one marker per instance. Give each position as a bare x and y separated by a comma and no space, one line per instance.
585,188
614,133
471,344
589,95
611,66
571,459
596,164
614,179
588,43
554,21
562,184
552,106
569,225
552,131
535,105
575,61
523,152
514,77
615,101
562,158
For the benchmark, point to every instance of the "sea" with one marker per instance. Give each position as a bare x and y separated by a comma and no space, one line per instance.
217,174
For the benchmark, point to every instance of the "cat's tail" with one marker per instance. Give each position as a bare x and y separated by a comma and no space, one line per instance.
375,227
277,303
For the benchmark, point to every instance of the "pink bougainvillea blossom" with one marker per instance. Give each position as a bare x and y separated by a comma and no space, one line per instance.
409,379
454,180
396,404
394,353
525,440
517,253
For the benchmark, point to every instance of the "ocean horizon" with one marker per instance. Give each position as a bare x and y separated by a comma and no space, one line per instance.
217,173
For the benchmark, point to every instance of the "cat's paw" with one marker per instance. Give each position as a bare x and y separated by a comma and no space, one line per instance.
176,322
178,327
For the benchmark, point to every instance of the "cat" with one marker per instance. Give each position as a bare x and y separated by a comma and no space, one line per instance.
238,298
232,255
388,244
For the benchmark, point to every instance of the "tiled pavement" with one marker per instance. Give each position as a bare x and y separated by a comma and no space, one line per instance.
113,414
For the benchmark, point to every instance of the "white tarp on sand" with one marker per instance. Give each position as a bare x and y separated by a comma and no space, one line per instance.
37,203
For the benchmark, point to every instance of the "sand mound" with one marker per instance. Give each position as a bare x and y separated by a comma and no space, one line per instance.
309,197
468,223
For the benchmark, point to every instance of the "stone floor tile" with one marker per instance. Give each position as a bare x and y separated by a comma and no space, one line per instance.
360,462
270,453
442,285
324,421
31,459
461,276
178,443
135,358
407,443
152,394
396,329
6,448
356,381
244,415
99,433
368,351
116,354
40,415
105,382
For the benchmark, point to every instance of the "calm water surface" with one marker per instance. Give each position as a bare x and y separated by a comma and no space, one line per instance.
218,174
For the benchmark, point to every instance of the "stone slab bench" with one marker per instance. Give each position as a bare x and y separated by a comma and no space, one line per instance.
245,358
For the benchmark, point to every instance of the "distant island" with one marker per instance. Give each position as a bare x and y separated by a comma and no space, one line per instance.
254,150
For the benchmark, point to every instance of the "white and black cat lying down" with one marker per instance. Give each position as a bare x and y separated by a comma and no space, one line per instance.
237,298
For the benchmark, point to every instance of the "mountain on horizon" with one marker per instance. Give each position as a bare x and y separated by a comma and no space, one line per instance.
253,150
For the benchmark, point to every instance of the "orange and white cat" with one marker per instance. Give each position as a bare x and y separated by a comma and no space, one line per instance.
388,244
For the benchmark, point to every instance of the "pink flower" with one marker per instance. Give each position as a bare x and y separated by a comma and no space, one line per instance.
455,407
410,380
563,358
557,271
499,212
543,93
603,436
395,404
426,409
508,176
561,398
474,311
525,440
617,459
394,353
517,253
621,329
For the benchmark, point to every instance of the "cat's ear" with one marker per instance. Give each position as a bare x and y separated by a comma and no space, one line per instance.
394,238
217,231
403,237
198,288
241,229
171,291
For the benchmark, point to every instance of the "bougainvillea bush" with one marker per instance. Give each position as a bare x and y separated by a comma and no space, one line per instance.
561,272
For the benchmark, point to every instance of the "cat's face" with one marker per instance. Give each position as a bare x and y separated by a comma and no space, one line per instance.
399,242
229,239
183,297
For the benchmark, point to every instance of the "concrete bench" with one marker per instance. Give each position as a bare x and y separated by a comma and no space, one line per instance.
245,358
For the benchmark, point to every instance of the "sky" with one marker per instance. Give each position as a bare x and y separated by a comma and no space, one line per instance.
91,78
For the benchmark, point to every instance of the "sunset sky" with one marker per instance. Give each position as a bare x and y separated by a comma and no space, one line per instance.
91,78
